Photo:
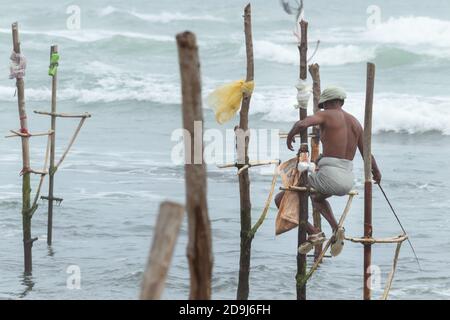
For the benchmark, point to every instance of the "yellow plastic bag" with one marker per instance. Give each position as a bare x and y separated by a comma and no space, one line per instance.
226,100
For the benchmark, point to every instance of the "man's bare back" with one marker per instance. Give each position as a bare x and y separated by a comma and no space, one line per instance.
340,133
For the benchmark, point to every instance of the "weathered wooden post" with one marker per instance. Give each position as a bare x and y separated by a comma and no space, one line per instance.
165,236
54,165
314,70
243,164
54,75
244,179
368,178
27,209
303,196
199,249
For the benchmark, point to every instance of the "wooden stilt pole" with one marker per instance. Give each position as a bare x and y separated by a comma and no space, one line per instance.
303,197
54,165
314,70
164,239
27,210
244,179
54,49
368,178
199,250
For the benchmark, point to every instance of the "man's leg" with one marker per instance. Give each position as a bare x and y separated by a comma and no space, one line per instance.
323,206
310,228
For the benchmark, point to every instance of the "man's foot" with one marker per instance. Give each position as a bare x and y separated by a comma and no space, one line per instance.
337,243
313,240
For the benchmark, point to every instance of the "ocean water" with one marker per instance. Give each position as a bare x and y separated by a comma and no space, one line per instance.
121,66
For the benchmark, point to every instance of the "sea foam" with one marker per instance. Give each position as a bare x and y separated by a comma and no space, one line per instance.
162,17
400,113
93,35
412,31
331,56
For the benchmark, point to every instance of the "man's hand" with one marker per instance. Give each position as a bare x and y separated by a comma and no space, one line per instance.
376,176
291,136
315,120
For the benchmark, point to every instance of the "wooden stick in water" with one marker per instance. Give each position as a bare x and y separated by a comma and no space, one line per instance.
388,286
26,188
71,142
367,151
200,243
51,183
244,178
44,169
165,236
314,70
303,197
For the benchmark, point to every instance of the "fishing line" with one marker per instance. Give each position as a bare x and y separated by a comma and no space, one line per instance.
401,226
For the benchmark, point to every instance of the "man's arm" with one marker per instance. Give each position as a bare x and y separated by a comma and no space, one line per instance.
375,170
299,126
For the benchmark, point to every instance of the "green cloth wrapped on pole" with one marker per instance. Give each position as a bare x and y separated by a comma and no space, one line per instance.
54,62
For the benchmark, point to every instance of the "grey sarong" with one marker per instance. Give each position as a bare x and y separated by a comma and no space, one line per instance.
334,178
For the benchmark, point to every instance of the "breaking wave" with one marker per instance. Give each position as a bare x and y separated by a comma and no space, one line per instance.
110,84
399,113
137,90
393,112
412,31
163,17
93,35
404,36
383,55
331,56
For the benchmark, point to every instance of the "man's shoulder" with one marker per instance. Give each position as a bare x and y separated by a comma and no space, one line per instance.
353,119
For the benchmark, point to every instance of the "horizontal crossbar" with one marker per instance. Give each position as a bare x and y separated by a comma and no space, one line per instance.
54,199
63,115
397,239
42,173
250,164
28,135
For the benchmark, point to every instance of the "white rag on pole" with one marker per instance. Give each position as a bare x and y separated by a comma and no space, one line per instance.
303,95
17,66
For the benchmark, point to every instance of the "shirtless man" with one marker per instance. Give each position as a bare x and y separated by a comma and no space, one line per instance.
341,134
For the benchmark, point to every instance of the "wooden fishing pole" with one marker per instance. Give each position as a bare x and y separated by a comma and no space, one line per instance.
199,250
314,70
54,165
303,181
165,236
53,50
368,179
27,209
244,179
